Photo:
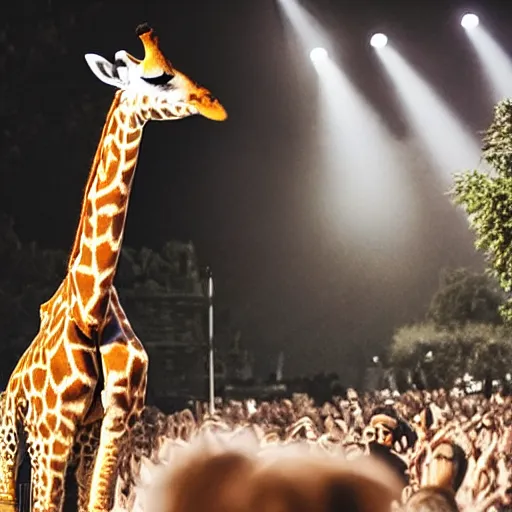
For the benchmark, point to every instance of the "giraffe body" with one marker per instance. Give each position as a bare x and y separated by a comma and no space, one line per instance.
84,374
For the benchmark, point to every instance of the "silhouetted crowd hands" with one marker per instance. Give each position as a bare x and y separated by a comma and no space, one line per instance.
418,451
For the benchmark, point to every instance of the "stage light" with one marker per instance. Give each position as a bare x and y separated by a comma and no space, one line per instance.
318,54
355,203
469,21
379,40
494,59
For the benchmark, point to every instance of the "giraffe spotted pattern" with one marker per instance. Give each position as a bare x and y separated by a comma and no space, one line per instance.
80,386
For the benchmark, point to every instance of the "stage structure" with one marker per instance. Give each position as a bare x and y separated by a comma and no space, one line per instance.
169,312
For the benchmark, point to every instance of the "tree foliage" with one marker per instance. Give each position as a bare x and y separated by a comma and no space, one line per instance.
482,350
464,332
487,200
465,297
173,268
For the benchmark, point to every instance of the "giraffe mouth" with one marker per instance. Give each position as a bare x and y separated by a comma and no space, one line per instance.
213,111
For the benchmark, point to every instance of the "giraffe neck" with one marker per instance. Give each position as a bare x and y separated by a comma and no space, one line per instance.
96,249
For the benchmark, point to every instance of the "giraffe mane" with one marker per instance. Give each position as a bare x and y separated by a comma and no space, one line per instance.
92,174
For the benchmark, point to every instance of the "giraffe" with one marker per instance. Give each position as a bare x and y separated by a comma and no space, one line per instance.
86,370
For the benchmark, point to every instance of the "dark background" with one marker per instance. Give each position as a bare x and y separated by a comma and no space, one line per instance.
242,190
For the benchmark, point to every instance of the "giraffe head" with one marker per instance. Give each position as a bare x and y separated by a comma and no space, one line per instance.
160,90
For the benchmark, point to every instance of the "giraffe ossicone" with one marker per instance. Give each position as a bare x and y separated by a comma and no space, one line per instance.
84,375
156,77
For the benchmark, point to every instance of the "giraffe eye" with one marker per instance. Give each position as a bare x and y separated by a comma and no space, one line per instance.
159,80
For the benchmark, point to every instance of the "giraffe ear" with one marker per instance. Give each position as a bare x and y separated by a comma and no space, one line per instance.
106,71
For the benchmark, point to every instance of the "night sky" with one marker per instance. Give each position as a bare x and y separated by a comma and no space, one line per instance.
244,191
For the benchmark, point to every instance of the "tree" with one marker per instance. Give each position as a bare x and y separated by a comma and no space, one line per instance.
464,333
484,351
487,200
466,297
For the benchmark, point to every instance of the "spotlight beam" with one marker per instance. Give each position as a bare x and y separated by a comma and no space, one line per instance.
304,27
497,65
447,142
367,182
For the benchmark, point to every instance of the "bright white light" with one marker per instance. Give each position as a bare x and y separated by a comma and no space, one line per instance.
363,207
445,140
495,61
469,21
379,40
303,29
318,54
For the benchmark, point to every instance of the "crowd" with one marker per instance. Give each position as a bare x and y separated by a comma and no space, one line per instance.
417,451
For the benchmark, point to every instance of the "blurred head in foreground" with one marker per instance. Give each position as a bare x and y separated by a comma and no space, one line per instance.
275,480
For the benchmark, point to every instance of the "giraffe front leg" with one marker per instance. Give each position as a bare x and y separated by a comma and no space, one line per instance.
8,506
125,370
9,452
8,468
86,447
49,466
8,501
